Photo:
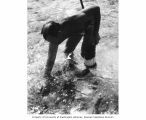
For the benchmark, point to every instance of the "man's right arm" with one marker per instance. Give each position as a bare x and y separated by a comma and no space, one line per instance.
51,59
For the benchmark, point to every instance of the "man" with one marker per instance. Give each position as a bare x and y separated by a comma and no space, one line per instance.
85,24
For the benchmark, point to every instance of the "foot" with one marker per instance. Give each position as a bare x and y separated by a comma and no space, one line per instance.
69,65
83,73
71,58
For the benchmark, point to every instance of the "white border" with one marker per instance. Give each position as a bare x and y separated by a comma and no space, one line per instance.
13,60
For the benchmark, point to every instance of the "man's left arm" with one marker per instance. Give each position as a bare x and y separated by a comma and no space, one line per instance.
51,59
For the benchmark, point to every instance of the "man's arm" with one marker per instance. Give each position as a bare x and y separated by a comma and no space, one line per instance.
51,59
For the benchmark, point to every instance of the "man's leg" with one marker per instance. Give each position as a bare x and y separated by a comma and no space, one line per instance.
71,44
70,47
88,50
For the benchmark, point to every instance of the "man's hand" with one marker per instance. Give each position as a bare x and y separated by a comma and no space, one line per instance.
49,86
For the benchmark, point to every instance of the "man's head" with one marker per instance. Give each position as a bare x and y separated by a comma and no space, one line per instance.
50,31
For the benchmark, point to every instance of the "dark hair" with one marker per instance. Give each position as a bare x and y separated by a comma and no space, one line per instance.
50,28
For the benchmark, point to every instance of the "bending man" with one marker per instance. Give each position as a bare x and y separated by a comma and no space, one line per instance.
85,24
